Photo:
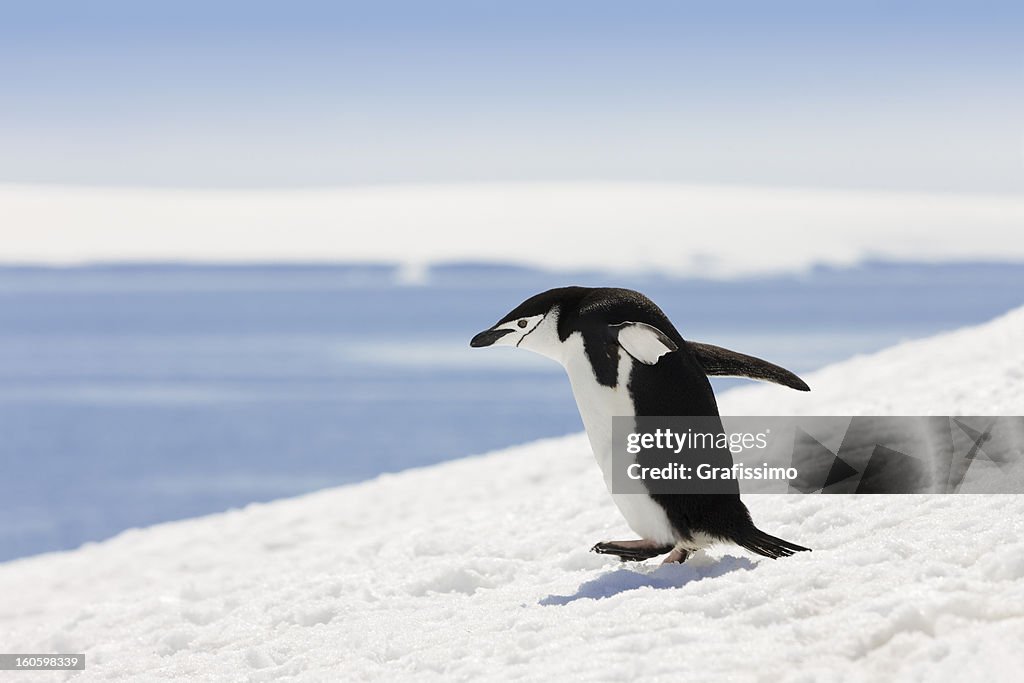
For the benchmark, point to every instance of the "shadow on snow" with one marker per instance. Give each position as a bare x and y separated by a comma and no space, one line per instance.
665,576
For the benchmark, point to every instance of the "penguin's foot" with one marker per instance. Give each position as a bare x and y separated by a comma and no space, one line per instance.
631,551
677,556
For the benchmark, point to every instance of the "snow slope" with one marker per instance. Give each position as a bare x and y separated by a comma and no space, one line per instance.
479,568
687,229
974,371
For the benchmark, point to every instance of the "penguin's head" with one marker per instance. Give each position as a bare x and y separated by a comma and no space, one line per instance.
533,324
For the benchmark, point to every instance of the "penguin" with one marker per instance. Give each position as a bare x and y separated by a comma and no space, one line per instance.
624,357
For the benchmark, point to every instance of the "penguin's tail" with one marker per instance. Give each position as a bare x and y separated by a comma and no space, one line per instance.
757,541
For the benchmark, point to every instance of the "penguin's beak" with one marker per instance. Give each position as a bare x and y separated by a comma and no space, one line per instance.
488,337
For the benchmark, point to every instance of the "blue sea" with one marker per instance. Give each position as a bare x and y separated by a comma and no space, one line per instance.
131,395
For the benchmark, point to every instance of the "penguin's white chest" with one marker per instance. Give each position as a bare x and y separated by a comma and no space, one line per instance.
598,404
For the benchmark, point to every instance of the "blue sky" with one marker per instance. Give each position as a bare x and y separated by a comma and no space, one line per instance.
902,96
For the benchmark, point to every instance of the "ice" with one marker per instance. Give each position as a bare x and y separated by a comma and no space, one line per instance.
696,230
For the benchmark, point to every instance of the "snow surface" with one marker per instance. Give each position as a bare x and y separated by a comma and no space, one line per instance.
973,371
684,229
479,568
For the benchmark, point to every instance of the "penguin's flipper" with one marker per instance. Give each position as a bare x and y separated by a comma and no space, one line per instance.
718,361
646,343
631,551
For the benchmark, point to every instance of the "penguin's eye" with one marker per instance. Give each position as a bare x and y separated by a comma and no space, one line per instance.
521,323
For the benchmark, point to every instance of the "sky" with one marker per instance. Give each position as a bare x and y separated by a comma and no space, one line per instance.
919,96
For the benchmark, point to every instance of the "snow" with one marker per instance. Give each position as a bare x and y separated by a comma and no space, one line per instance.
686,229
479,568
974,371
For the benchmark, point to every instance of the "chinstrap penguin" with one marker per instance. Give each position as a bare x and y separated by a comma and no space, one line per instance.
624,357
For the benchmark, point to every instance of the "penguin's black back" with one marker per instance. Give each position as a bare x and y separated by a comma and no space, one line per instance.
676,385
